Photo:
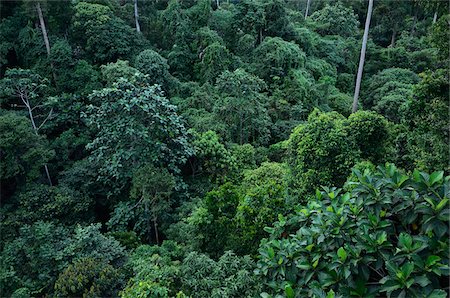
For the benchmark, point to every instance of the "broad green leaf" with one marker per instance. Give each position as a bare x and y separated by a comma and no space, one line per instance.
342,254
436,177
289,291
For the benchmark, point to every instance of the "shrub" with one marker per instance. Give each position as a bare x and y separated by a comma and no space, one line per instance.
387,235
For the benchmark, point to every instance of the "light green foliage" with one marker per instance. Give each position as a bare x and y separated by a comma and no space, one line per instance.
112,72
341,103
371,133
145,129
245,156
155,271
265,197
88,277
233,216
397,247
162,271
230,276
274,57
336,20
23,152
340,52
321,151
324,148
213,219
427,114
242,107
213,159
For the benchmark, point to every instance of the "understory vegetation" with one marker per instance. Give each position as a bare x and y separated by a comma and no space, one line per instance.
198,148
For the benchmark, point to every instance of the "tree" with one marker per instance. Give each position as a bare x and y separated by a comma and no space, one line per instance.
155,66
136,16
389,92
307,8
242,107
323,149
27,86
58,204
103,36
44,34
274,57
214,60
23,152
362,58
152,188
88,277
336,20
145,129
113,72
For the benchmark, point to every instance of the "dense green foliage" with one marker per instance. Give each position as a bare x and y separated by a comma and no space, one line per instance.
208,148
387,233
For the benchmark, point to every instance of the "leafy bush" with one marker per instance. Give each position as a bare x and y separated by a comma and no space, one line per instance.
323,150
89,277
387,235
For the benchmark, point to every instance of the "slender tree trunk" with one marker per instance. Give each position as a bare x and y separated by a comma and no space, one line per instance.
43,28
44,34
149,221
218,3
136,16
33,123
362,57
308,2
393,37
156,230
413,29
435,17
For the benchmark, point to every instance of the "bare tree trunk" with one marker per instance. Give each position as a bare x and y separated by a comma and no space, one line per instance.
136,16
218,3
44,34
307,8
149,222
43,28
393,37
35,128
435,17
413,28
156,230
362,57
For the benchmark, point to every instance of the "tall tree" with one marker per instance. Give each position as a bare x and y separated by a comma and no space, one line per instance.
45,35
136,16
27,86
308,2
43,27
362,57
